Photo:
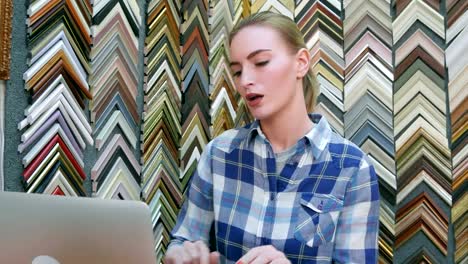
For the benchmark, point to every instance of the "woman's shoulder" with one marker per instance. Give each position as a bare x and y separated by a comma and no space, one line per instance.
344,152
230,139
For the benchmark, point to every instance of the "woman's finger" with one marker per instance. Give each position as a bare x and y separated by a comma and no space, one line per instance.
214,257
192,251
260,260
204,252
262,254
280,261
250,256
173,254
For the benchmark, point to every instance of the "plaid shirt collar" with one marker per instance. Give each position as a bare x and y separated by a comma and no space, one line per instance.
318,137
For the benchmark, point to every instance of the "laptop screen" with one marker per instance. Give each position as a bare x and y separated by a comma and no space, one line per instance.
36,228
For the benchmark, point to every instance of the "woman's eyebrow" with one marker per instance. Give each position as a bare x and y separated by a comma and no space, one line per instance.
252,54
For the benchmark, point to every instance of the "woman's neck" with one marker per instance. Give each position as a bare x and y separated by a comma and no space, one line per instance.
284,129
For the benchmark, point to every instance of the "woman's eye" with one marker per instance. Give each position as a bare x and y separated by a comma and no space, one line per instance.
262,63
236,73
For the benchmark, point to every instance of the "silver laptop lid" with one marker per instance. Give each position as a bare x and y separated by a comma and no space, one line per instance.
36,227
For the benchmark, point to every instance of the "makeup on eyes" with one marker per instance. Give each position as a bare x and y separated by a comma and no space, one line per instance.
258,62
252,55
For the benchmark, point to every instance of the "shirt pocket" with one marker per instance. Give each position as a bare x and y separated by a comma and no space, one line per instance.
317,218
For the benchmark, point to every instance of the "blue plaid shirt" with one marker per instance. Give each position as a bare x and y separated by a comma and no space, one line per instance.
322,207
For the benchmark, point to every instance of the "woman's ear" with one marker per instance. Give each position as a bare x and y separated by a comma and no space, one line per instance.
303,62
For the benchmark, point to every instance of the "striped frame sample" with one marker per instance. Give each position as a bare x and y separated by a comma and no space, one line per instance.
320,22
457,68
422,153
161,129
368,117
114,86
55,129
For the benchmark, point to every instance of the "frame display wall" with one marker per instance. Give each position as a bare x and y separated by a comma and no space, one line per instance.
117,99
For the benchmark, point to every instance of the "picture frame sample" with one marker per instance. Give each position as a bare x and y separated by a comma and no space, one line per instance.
6,12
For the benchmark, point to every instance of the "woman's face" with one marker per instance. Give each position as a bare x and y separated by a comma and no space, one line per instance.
265,71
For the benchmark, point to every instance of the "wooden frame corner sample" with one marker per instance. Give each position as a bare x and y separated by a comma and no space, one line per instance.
6,12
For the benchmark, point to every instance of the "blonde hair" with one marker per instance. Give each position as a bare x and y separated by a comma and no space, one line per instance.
292,35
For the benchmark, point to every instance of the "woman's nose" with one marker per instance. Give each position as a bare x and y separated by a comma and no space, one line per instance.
246,78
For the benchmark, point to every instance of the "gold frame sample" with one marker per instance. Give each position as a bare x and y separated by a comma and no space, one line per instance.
6,12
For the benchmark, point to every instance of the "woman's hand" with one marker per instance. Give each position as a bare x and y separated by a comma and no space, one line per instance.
191,253
263,255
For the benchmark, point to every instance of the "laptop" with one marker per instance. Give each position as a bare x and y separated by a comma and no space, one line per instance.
45,229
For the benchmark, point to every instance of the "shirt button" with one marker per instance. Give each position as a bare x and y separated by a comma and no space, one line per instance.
272,196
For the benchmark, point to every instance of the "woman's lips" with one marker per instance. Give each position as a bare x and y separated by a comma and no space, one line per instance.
253,99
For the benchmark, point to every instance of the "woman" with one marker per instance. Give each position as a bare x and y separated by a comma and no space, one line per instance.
284,189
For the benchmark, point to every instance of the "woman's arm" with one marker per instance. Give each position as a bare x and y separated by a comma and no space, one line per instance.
196,215
358,226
